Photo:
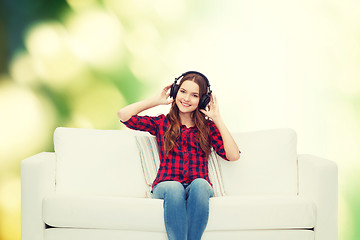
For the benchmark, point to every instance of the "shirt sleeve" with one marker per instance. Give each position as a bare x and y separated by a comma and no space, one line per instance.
216,140
144,123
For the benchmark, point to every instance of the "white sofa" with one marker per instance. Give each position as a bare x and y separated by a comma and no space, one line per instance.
93,187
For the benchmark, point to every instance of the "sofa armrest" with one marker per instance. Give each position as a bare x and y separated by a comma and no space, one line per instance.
37,180
318,180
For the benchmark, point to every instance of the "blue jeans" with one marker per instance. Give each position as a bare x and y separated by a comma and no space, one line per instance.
186,207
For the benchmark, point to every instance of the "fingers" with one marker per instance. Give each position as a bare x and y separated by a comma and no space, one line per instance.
213,98
203,111
168,87
165,93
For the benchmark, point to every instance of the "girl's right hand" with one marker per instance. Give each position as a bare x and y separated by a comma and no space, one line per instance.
163,97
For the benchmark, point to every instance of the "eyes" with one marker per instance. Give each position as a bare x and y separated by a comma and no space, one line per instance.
193,94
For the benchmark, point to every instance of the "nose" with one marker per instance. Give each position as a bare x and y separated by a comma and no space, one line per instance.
187,97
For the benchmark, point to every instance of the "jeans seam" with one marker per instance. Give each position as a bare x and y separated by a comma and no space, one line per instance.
166,220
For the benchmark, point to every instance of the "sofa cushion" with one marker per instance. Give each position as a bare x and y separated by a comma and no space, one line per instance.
150,161
101,162
141,214
268,164
102,212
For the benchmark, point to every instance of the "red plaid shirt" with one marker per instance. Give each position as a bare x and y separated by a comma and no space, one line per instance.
186,161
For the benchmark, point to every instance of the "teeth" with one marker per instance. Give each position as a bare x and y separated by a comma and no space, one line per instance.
186,105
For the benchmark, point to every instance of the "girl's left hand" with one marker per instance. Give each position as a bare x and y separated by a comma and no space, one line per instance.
213,111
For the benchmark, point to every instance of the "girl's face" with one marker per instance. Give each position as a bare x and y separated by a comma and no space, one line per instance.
187,98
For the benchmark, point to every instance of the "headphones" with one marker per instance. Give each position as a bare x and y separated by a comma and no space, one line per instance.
204,100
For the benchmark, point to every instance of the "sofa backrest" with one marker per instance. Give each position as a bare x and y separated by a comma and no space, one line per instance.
268,164
100,162
107,162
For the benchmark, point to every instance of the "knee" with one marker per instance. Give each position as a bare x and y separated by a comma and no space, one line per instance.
175,188
201,188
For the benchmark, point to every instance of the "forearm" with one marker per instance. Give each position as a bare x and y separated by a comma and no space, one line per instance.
230,146
127,112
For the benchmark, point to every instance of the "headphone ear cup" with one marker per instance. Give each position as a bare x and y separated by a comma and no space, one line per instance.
204,101
174,90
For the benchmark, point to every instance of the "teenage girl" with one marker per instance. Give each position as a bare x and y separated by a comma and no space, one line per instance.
185,137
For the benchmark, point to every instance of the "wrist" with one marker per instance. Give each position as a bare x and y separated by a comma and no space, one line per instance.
217,120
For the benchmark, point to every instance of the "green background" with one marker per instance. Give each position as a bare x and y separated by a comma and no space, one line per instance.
272,64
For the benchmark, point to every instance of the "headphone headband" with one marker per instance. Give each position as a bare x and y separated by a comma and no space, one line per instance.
195,72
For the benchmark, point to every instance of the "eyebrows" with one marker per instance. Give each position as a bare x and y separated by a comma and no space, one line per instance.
186,90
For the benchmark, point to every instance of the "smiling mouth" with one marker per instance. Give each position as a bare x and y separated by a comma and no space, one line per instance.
185,105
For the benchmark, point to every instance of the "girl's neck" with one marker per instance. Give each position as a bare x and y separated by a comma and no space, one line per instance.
186,119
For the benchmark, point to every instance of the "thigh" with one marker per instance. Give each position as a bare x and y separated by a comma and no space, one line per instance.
170,188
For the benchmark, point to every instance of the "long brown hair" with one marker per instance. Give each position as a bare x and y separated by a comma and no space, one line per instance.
173,132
